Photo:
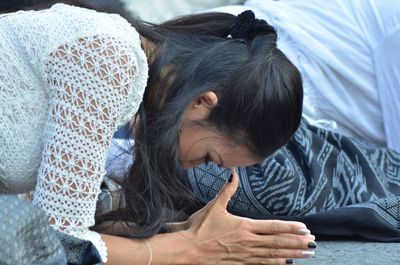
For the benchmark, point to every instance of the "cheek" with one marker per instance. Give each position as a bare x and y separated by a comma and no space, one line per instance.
190,151
190,146
186,149
183,146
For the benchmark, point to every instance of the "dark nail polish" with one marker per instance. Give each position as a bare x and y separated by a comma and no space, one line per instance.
312,245
289,261
230,178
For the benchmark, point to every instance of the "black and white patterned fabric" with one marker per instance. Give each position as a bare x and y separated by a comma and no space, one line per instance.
338,186
25,235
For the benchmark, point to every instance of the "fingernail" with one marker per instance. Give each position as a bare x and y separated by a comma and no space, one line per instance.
289,261
230,178
312,245
303,231
308,253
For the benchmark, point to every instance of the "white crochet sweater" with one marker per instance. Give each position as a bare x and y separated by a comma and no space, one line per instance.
68,78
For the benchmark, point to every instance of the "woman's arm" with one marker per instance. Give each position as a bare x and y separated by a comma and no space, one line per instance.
165,249
214,236
90,81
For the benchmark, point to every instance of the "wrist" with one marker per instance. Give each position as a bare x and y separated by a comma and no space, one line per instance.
171,248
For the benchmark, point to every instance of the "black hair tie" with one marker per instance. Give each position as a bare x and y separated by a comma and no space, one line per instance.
248,26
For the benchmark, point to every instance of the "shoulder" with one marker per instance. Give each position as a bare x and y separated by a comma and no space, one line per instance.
81,21
106,48
85,33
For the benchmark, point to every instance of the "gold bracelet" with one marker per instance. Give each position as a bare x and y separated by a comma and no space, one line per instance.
151,252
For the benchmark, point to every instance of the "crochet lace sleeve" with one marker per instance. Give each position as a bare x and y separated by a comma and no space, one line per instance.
89,83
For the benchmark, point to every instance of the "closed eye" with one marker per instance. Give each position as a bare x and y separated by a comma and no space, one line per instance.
207,159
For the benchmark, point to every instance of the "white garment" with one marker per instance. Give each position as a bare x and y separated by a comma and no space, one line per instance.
68,78
119,158
157,11
347,52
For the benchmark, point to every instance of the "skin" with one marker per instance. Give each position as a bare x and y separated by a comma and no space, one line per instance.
212,235
200,143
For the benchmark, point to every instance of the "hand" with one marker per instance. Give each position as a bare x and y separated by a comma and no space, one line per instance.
218,237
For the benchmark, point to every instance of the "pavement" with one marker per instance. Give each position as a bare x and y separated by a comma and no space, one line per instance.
351,252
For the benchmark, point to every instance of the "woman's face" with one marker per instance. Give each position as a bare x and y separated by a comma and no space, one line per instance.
200,144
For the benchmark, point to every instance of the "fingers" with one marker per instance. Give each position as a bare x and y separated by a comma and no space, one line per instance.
274,227
269,261
307,237
227,191
270,255
273,253
284,242
258,261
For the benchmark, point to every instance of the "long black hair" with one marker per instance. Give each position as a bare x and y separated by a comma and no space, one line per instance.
258,88
259,98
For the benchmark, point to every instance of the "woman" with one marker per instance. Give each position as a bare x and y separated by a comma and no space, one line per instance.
204,87
347,53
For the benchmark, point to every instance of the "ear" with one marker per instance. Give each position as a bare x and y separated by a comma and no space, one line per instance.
201,106
208,100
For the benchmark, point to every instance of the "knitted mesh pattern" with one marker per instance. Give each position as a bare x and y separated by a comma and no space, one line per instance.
87,73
